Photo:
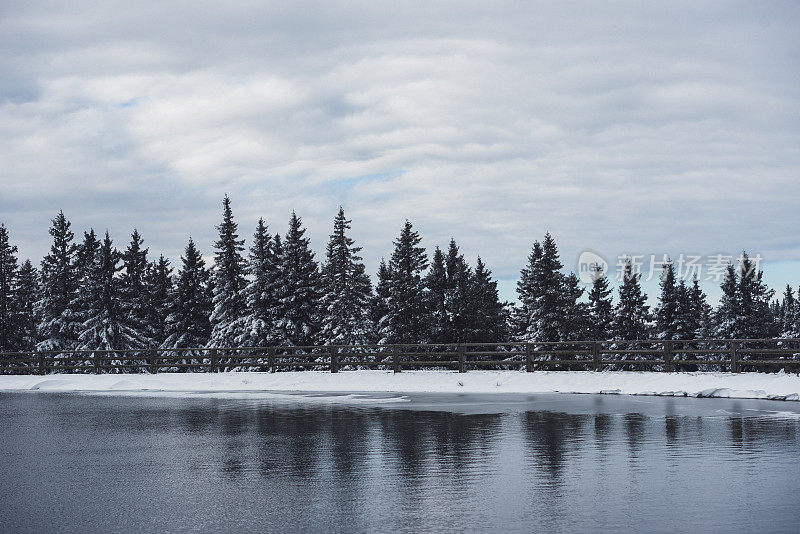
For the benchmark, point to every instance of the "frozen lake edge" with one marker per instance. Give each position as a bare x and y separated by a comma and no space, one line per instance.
696,384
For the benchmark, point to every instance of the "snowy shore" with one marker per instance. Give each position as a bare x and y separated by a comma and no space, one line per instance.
728,385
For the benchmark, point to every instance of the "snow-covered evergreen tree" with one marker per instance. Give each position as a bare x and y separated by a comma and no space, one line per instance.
26,293
460,302
188,324
726,315
262,291
575,318
379,307
58,326
790,314
228,315
683,325
439,330
9,339
85,255
755,316
86,258
347,290
601,308
134,295
406,320
158,281
450,297
527,290
545,300
667,313
106,326
547,311
699,312
631,314
299,291
744,311
489,318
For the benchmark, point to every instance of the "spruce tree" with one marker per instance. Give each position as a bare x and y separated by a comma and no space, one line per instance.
9,339
460,303
158,281
347,290
547,311
683,325
379,308
545,301
527,290
299,292
86,255
58,326
601,309
450,297
134,297
439,329
667,313
107,326
86,258
631,313
699,312
489,320
575,324
229,283
26,293
726,322
744,310
406,320
188,324
790,314
262,291
754,315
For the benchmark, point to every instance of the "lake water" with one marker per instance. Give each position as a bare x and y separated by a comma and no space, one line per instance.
390,463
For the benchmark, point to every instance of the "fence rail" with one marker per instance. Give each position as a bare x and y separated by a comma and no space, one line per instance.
735,355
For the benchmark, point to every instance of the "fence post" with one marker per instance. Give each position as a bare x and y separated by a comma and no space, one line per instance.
271,359
596,355
396,359
462,358
96,362
213,365
42,365
528,358
334,359
667,356
734,357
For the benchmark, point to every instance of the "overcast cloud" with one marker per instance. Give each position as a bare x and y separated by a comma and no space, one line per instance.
618,127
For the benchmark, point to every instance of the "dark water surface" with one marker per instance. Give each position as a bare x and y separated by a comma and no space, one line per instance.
389,463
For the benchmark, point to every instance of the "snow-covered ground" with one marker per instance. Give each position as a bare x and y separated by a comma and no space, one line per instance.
744,385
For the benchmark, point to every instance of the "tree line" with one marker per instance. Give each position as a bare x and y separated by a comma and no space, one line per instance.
89,295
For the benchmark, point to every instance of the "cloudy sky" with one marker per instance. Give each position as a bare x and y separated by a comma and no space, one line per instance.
620,128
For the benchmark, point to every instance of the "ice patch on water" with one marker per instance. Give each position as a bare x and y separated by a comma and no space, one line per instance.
137,385
784,415
354,398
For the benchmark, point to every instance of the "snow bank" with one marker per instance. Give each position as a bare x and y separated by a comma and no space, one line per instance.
745,385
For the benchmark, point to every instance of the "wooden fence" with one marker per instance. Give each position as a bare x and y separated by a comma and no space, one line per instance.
735,355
